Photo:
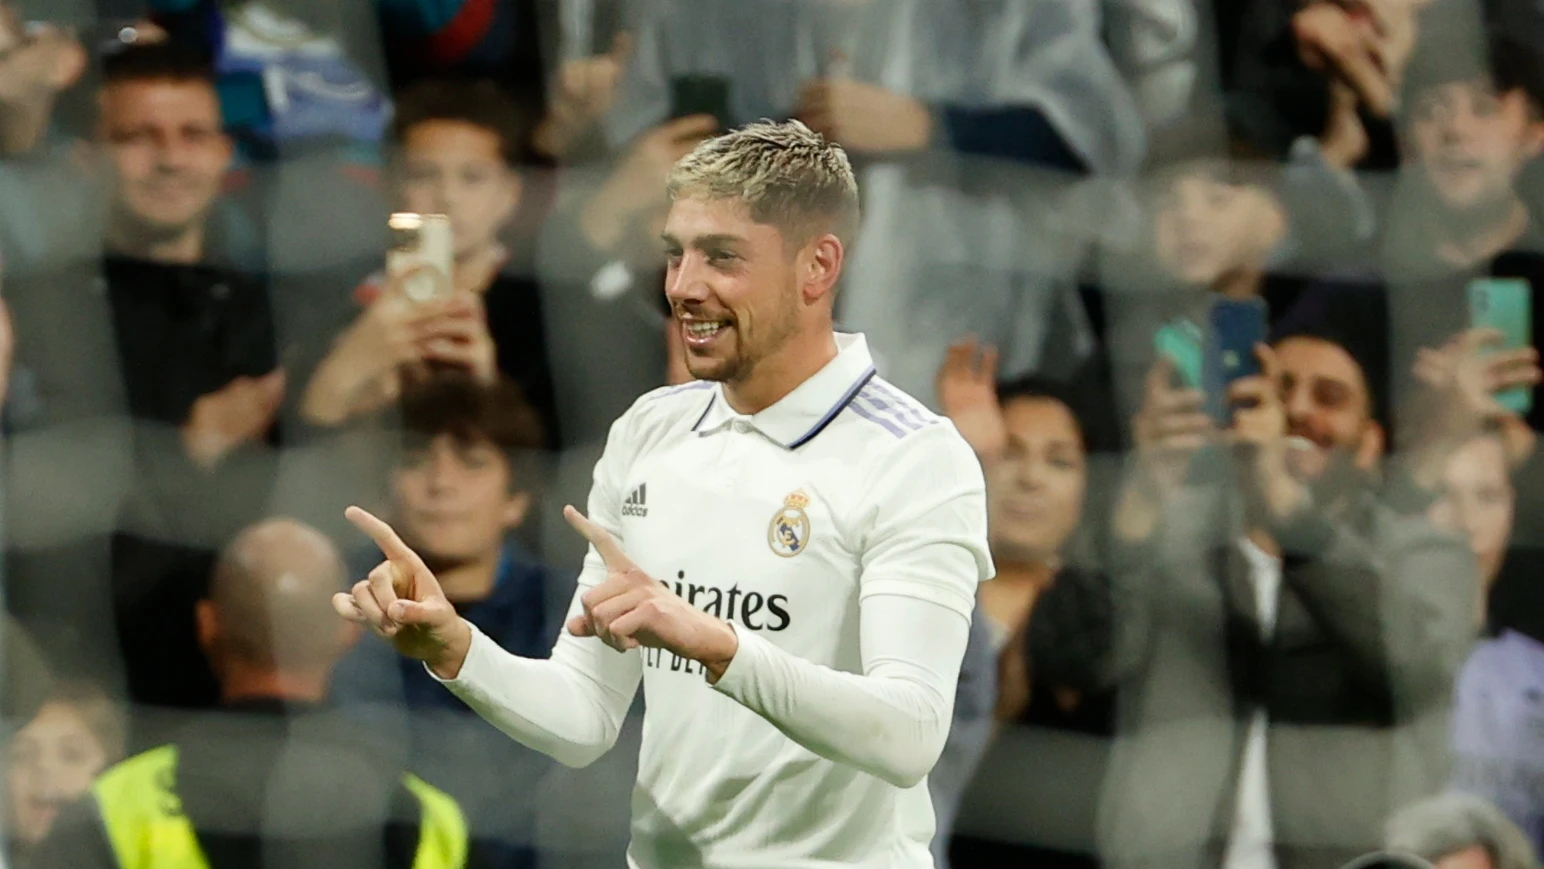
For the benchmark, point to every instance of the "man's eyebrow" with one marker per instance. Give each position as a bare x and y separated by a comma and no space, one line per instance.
704,241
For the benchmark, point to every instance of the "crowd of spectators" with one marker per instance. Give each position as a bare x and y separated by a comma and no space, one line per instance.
1274,622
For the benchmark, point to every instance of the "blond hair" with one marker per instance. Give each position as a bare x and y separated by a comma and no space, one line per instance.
788,175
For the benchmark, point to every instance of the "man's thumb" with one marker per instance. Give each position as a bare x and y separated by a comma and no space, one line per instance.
407,612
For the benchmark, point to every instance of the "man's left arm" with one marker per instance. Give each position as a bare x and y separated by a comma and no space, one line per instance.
923,528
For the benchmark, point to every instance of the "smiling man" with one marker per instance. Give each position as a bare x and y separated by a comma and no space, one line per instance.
785,553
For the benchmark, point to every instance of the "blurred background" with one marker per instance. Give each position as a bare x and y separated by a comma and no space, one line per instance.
1256,608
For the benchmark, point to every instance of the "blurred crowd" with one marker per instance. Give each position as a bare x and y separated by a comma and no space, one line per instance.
1275,621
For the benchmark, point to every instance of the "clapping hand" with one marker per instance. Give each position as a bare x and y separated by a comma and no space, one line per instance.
630,609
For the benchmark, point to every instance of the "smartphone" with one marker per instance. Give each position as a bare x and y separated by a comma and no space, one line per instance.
1505,305
1183,345
701,95
421,255
1237,327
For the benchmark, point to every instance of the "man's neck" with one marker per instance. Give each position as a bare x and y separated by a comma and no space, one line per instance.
1465,242
183,248
775,377
470,581
240,683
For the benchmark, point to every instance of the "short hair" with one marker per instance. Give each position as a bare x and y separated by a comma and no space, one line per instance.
158,61
477,103
456,404
102,714
788,175
1458,44
1454,822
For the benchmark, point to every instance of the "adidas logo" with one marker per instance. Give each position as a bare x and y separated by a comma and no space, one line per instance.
637,503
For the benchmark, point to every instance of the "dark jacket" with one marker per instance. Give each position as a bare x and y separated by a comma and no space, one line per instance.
1374,619
111,355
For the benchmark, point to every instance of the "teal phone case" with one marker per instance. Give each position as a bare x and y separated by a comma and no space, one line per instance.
1505,305
1182,343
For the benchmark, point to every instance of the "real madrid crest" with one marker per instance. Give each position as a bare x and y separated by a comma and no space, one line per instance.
789,533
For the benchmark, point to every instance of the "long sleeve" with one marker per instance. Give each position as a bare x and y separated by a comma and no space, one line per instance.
891,720
570,706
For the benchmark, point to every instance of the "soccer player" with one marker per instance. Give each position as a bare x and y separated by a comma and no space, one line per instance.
785,552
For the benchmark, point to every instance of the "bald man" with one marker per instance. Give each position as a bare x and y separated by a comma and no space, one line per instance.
272,779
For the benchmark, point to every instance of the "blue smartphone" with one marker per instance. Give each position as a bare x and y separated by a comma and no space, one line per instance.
1505,305
1237,327
1183,344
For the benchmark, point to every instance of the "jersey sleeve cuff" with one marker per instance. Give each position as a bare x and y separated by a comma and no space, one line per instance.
475,667
742,669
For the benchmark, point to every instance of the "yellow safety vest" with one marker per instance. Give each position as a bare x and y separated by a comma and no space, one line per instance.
148,829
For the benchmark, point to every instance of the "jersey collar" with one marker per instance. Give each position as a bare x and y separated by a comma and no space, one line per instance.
804,413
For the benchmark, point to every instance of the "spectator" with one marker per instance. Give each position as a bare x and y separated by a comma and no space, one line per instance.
463,490
1252,644
1044,620
1479,502
167,330
273,778
1495,701
460,148
52,760
37,63
1474,120
1457,831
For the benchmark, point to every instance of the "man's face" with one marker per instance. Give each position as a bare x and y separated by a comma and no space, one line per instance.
1207,228
1470,143
458,170
50,763
167,151
733,286
1478,501
1035,491
454,500
1327,403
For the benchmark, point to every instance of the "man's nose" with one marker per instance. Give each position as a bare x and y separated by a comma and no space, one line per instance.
685,282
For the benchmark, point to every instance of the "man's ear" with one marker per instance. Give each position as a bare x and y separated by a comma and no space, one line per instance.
820,266
1370,450
516,509
207,621
1533,142
512,196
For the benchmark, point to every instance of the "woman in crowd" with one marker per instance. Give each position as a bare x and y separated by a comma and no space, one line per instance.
1047,626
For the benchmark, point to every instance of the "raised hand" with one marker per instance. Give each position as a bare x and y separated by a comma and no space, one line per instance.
1260,425
1461,380
630,609
967,392
402,601
1171,426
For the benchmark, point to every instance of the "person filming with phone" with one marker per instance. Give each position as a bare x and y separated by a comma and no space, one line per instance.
460,146
1278,624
